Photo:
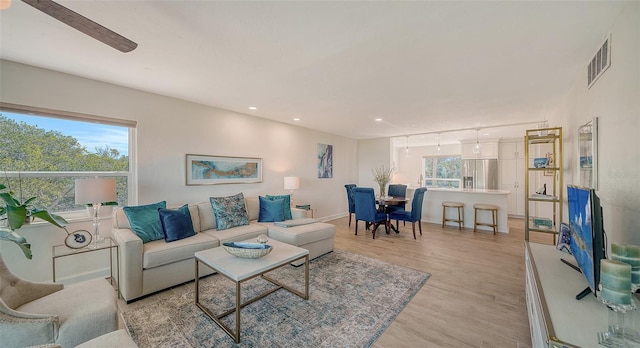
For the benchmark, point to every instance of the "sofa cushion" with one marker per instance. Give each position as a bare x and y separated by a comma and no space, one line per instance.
301,235
271,210
176,224
145,221
239,233
253,207
158,253
229,211
287,204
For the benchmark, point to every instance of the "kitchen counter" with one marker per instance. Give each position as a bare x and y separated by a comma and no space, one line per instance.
433,198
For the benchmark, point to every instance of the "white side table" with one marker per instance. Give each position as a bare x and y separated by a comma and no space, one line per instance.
61,250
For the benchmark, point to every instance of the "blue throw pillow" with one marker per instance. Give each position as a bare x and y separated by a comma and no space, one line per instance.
229,211
287,204
145,221
271,210
176,224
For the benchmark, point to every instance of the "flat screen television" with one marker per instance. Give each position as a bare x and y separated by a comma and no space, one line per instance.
588,240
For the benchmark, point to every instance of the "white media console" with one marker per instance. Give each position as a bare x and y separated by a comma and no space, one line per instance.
556,318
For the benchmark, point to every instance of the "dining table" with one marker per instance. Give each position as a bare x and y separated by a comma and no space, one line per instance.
384,202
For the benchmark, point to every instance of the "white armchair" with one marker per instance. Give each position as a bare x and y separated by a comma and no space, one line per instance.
46,313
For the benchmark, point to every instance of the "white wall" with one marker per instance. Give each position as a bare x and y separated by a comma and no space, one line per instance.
168,129
372,153
615,100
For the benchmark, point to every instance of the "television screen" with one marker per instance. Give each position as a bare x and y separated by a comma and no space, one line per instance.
587,234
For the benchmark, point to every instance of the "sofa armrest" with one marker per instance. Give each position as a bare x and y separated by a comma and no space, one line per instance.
131,253
21,329
297,213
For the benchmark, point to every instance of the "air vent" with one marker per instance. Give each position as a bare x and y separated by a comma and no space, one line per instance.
599,63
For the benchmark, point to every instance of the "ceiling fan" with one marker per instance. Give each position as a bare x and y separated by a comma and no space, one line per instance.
84,24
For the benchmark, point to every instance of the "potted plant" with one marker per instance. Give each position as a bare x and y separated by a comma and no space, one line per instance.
14,214
382,176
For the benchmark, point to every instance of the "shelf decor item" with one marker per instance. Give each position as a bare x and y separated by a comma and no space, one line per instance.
615,292
247,250
629,254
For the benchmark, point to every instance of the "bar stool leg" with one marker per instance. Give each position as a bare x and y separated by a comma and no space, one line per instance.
459,220
494,217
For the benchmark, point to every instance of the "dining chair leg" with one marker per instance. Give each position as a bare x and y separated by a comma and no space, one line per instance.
413,225
420,226
349,219
356,227
375,227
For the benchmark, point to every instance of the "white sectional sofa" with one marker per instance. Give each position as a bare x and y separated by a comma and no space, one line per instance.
149,267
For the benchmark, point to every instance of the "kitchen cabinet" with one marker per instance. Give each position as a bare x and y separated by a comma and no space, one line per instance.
543,180
511,169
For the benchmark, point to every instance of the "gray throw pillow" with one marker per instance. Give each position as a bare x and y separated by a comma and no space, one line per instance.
229,211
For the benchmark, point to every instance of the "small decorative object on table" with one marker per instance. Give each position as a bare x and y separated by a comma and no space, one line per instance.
629,254
614,291
263,239
78,239
247,250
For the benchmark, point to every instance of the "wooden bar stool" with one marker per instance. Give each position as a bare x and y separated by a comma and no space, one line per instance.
494,216
460,207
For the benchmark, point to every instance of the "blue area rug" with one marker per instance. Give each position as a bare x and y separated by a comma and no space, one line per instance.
353,299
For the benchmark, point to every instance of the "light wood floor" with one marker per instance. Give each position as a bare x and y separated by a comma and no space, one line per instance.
474,298
476,294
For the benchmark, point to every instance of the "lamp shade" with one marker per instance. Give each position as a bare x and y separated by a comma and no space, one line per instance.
95,190
291,182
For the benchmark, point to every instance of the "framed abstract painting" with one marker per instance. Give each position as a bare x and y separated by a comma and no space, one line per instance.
212,170
325,161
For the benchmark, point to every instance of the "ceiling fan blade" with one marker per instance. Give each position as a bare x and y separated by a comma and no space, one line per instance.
83,24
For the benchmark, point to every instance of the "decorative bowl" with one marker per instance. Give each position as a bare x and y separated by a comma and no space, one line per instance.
247,250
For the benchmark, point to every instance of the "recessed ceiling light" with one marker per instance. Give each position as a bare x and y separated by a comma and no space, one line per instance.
253,108
378,119
296,119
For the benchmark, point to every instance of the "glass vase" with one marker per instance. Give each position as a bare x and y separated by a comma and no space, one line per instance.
383,192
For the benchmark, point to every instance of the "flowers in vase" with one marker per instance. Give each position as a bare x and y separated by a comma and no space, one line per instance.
382,176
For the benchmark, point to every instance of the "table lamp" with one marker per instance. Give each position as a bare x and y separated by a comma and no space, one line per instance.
95,191
291,183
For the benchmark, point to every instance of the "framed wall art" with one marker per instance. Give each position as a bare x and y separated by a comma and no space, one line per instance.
212,170
588,153
325,161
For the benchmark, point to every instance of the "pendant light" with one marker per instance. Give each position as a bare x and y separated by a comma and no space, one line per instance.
476,147
438,148
406,150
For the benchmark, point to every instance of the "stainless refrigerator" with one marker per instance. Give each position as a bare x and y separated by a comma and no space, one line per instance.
480,173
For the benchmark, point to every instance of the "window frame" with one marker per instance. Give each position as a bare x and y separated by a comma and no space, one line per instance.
78,117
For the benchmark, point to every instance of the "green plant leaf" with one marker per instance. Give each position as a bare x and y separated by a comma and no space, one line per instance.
16,216
50,218
9,200
11,236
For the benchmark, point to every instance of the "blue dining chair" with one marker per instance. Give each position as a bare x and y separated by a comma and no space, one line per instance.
350,200
365,200
396,190
415,214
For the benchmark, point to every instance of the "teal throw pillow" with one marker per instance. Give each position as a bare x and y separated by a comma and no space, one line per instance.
229,211
271,210
287,204
145,221
176,224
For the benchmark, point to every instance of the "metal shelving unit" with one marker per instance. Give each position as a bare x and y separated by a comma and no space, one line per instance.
543,212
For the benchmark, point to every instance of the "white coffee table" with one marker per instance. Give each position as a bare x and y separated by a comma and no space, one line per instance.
240,270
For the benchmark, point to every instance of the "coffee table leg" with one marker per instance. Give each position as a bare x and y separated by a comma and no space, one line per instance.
306,277
237,336
197,282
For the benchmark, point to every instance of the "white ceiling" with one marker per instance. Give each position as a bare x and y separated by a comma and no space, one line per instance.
422,67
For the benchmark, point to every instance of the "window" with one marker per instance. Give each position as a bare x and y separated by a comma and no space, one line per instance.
442,171
42,152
